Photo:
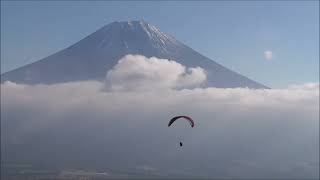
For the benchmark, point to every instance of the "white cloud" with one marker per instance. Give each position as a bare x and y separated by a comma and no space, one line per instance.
268,55
136,72
305,86
239,133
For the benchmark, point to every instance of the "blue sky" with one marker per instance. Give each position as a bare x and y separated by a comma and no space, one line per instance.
275,43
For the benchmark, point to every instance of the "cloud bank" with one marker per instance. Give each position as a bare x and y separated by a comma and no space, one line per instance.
239,133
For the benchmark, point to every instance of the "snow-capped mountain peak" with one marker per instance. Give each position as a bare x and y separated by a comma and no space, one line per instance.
93,56
129,32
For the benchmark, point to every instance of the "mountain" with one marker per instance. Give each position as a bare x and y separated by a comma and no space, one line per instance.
93,56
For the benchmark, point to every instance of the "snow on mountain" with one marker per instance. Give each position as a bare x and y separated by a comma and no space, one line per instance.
93,56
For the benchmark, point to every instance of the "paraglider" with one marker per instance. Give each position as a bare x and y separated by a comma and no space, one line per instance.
184,117
189,119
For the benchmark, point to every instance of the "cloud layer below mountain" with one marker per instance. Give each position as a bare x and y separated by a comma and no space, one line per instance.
239,133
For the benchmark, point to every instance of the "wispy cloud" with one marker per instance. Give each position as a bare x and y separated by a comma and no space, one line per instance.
268,55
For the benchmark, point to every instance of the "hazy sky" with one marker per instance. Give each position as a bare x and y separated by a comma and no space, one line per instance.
274,43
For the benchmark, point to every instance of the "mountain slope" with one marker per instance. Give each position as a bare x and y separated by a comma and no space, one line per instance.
93,56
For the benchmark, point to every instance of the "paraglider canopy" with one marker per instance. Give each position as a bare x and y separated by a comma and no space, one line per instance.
189,119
